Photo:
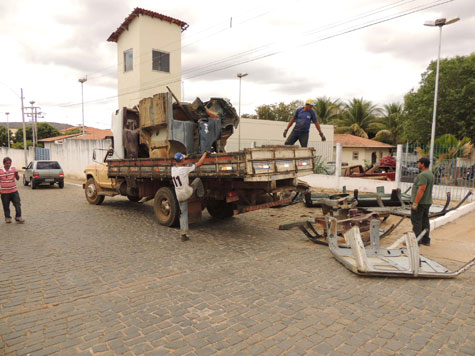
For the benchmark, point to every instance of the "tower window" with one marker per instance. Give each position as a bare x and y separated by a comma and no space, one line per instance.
160,61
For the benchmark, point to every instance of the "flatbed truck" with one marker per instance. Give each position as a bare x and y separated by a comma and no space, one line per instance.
234,183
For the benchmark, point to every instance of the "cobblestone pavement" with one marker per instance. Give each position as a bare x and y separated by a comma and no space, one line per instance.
78,279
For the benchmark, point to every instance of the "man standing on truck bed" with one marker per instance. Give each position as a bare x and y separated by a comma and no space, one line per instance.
184,190
302,119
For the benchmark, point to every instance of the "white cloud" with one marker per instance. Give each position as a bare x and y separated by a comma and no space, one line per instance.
289,50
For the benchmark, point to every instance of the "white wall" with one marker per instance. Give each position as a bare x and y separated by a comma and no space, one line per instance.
17,156
255,133
144,34
75,155
369,186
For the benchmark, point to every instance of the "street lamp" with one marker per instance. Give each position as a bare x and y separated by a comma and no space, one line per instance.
82,80
240,76
440,23
8,131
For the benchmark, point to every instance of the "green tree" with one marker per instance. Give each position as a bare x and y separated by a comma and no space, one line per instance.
455,104
278,112
388,127
327,110
19,134
45,130
4,136
356,117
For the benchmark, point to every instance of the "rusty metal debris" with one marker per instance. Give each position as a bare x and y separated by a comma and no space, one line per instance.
390,262
353,217
436,210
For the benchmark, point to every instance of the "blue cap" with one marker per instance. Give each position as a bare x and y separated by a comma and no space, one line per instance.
179,157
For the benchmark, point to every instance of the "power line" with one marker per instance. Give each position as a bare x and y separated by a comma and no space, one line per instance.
269,54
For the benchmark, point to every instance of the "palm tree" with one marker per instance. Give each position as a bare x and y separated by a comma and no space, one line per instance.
327,109
389,126
356,117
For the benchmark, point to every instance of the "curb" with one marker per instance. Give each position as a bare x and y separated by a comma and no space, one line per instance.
451,216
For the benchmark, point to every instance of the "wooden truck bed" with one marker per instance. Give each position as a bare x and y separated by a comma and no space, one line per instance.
261,164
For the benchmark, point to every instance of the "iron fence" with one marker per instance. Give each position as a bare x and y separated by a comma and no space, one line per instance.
453,168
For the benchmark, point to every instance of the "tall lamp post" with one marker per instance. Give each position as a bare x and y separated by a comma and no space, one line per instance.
240,76
82,81
440,23
8,130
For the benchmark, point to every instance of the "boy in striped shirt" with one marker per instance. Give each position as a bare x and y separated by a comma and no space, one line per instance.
9,191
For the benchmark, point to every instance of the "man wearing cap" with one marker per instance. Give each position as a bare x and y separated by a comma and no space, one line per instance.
303,117
184,190
421,199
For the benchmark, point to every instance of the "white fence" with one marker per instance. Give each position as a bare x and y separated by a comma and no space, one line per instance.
72,155
336,182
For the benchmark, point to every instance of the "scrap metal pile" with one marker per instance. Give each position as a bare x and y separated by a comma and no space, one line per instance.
347,229
158,128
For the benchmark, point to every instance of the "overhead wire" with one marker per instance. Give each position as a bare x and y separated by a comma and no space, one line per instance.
269,54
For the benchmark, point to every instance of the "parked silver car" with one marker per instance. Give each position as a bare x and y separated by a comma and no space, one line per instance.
39,172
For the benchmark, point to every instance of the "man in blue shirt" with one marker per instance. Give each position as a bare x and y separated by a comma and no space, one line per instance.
302,119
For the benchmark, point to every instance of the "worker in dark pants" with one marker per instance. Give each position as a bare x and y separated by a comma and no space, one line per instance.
184,190
303,117
421,199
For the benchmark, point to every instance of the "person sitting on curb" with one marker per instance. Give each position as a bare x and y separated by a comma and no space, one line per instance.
9,191
184,190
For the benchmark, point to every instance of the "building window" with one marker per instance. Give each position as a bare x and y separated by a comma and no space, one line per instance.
128,60
355,156
160,61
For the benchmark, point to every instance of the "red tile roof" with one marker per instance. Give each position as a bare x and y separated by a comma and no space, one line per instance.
348,140
114,37
90,133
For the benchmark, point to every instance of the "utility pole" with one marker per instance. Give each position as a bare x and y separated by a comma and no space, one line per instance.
240,76
33,112
8,131
82,80
24,129
34,121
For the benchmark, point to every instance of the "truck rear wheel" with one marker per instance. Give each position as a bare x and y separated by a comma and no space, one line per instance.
219,209
91,192
166,207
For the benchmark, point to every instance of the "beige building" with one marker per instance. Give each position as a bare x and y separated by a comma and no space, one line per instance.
358,150
148,56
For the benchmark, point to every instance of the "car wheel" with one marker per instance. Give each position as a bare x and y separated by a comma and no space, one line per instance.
166,207
34,185
92,195
25,182
61,184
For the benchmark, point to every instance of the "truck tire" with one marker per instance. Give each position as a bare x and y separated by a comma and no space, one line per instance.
166,207
133,199
91,193
219,209
61,184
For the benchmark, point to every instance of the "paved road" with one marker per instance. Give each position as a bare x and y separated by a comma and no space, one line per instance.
78,279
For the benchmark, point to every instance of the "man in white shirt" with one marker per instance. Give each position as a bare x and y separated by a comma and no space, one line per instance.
184,190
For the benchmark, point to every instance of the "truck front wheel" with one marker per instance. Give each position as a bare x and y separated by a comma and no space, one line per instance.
219,209
91,192
166,207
